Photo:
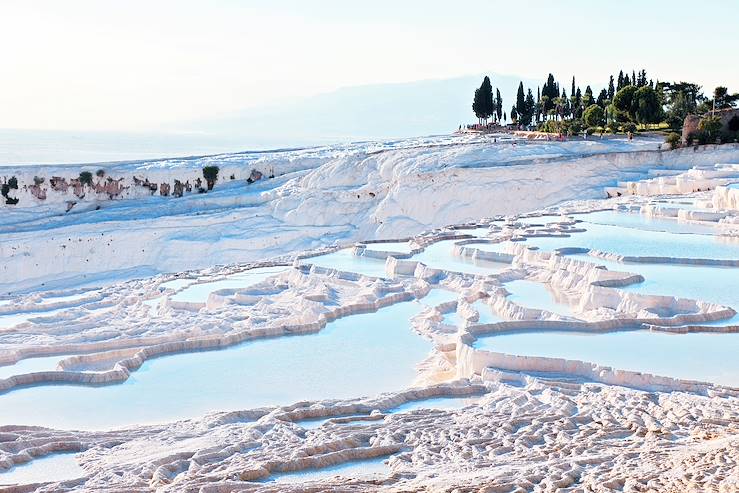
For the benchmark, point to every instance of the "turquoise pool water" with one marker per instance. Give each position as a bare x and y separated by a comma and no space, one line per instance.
30,365
535,295
345,260
54,467
438,296
714,284
369,468
703,356
198,293
629,241
359,355
644,222
486,313
176,284
393,246
445,403
439,256
70,297
453,318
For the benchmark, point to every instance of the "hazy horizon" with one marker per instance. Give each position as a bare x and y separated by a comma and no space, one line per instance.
138,66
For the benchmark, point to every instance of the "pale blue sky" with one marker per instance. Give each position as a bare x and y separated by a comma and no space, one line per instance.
136,65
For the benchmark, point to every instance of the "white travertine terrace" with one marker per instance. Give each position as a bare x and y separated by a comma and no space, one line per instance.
541,424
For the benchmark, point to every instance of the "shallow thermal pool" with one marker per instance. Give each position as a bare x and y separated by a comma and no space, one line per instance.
644,222
13,319
363,354
345,260
54,467
392,246
31,365
708,357
198,293
630,241
708,283
368,468
439,256
535,295
444,403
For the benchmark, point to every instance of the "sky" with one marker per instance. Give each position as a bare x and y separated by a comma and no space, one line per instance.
142,65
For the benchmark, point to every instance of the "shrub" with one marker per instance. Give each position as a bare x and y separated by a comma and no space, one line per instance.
612,127
37,180
86,178
100,173
629,127
576,126
591,130
673,140
210,173
709,129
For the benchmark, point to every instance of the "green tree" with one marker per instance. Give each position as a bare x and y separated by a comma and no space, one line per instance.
551,91
482,103
587,98
488,107
602,100
544,104
498,104
530,106
722,99
520,101
681,99
611,89
647,106
620,81
594,116
623,101
514,115
477,105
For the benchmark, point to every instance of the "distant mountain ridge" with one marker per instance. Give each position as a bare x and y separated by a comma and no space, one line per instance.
377,111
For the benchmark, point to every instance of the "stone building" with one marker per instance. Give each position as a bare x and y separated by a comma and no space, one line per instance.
690,125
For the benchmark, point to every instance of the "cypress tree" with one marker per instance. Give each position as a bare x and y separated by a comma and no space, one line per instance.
602,98
627,82
572,91
477,107
633,78
486,89
520,101
611,89
530,105
620,81
482,103
587,99
498,104
538,104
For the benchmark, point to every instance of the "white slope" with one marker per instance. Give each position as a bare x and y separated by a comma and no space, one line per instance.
319,197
